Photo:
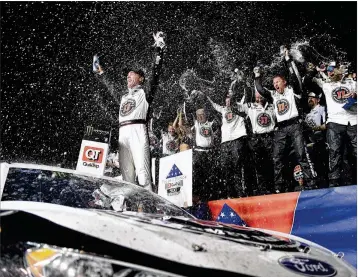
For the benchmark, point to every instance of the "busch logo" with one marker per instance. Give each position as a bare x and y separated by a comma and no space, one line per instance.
263,120
338,94
92,154
282,106
127,107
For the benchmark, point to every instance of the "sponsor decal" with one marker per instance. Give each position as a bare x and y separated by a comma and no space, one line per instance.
263,120
205,131
171,145
174,181
127,107
92,156
90,130
297,173
338,94
229,116
307,266
282,106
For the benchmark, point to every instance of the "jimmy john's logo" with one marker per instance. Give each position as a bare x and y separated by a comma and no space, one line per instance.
171,145
229,116
282,106
127,107
205,131
338,94
263,120
92,156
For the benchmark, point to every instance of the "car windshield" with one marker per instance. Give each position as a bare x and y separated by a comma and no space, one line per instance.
79,191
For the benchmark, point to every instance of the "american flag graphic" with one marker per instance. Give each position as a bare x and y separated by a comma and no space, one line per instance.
174,172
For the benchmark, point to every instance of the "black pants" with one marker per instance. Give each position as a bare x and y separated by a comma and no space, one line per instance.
291,133
233,159
319,156
339,136
203,165
261,147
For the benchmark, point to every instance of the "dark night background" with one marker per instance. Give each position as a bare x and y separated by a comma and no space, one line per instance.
49,93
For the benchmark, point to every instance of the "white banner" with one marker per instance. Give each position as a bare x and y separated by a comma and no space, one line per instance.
93,157
153,171
175,178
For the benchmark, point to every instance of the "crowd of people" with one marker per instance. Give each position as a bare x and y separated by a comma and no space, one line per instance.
300,135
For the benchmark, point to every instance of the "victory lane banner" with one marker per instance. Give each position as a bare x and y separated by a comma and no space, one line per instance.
175,178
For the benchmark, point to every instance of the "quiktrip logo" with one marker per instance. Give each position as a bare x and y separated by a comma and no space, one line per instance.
338,94
92,156
127,107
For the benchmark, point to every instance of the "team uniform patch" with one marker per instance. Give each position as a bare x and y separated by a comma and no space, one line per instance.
229,116
263,120
282,106
171,145
205,131
128,107
339,93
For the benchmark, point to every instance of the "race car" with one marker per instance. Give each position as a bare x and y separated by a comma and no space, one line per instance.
60,222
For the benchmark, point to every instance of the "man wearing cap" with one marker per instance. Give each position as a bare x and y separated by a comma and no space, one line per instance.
289,129
341,122
134,154
262,118
316,124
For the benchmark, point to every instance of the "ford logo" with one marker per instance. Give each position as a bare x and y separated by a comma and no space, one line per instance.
307,266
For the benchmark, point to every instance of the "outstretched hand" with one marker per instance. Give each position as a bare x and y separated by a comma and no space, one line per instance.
159,40
257,71
97,68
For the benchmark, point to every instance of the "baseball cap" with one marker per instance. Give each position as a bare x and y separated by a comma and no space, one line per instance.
312,94
136,70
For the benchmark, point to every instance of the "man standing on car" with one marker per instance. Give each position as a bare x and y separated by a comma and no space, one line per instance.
134,154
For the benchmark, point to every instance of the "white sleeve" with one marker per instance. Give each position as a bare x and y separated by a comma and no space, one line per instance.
217,107
323,113
242,108
318,81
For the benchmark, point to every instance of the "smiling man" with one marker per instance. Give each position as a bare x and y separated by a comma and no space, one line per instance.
134,154
288,128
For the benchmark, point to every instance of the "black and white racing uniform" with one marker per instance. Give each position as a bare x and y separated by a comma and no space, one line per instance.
134,152
318,152
263,121
170,144
289,129
341,124
203,159
233,150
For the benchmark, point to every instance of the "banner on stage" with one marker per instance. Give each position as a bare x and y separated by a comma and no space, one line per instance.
175,178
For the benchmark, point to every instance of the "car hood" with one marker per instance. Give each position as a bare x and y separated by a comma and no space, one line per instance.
193,242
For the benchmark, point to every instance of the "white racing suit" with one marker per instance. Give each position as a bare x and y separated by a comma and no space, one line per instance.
134,151
134,154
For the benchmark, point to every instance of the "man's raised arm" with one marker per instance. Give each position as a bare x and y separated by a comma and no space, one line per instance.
159,49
